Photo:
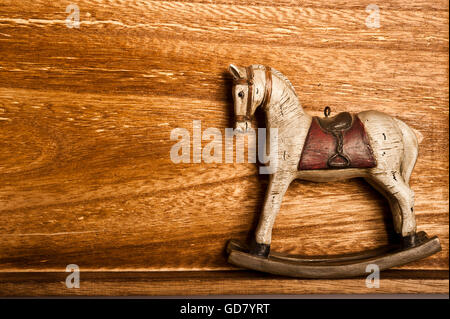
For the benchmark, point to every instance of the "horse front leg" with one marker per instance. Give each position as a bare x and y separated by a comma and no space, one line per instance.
278,185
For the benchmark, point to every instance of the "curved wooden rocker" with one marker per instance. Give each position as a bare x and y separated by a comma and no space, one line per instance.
373,145
337,266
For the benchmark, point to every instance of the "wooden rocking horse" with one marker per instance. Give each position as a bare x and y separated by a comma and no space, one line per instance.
370,144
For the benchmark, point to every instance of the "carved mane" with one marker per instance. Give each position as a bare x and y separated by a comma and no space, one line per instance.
285,79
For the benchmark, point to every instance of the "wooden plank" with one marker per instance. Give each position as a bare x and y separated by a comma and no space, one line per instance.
86,116
213,283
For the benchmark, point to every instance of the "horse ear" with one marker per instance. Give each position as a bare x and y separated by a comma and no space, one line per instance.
234,70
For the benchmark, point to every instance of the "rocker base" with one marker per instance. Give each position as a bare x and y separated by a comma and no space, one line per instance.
337,266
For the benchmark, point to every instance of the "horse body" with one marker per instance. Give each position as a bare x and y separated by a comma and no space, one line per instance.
394,146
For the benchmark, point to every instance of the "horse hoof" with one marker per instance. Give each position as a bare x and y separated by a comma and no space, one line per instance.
414,239
260,250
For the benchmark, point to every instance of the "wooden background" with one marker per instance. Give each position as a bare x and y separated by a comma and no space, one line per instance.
85,121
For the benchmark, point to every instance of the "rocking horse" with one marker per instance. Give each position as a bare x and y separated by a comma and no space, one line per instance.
375,146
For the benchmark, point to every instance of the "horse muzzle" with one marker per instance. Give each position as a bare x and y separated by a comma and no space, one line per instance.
243,126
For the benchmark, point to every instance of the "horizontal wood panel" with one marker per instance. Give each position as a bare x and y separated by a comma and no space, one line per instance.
144,206
86,116
214,283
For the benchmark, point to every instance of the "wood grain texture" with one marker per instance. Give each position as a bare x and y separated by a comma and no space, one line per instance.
86,116
213,282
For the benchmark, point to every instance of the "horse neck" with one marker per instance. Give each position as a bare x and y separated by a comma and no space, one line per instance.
284,109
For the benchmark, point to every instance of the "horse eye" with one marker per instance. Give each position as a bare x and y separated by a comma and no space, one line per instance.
241,94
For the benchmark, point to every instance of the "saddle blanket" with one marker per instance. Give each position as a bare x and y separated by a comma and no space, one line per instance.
321,145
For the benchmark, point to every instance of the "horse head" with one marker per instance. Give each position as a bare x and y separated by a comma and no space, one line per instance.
252,87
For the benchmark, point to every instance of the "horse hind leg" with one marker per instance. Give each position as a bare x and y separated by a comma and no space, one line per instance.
411,149
401,201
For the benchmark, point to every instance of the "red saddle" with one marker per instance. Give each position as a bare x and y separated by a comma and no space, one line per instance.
337,142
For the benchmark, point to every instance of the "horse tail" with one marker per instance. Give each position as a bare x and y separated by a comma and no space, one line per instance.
411,150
